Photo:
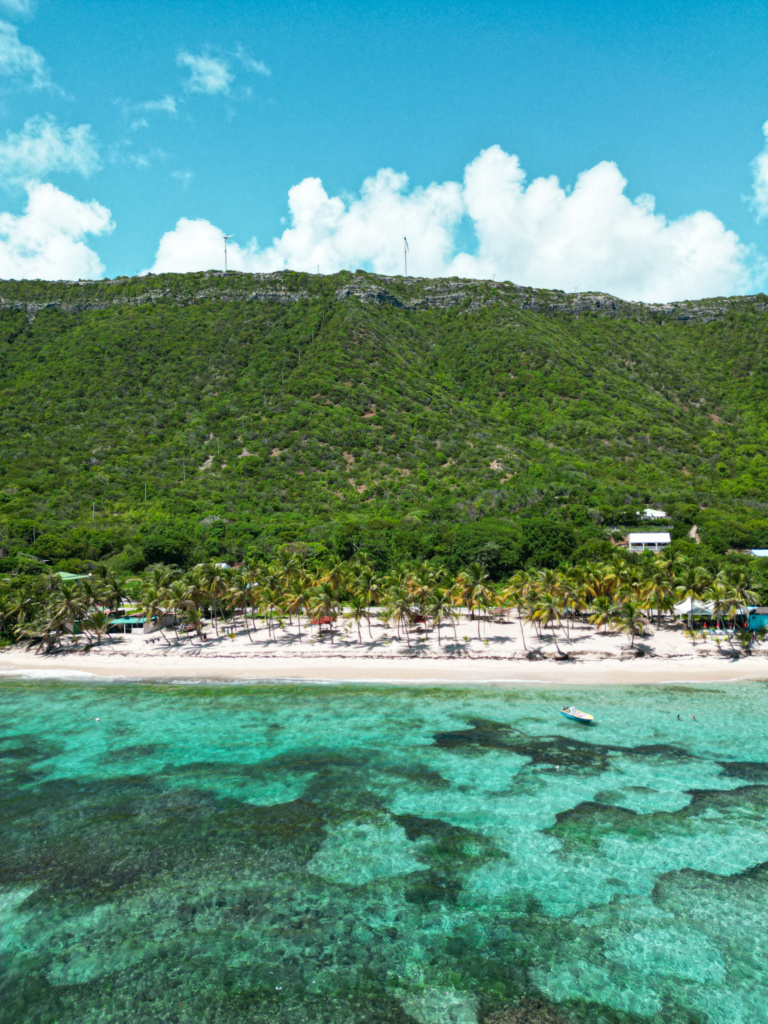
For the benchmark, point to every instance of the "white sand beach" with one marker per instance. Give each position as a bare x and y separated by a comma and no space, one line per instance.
498,656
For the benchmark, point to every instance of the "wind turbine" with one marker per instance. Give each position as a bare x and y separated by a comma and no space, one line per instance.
226,239
405,254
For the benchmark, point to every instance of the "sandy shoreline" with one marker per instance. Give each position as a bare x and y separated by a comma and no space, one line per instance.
501,655
419,670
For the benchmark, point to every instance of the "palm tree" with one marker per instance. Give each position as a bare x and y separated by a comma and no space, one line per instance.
441,609
725,600
514,591
630,619
691,583
602,612
400,610
325,604
153,604
240,597
548,610
215,580
472,590
298,601
657,588
370,586
357,610
97,623
67,606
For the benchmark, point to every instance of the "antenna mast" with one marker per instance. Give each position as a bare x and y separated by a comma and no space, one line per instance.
226,239
405,254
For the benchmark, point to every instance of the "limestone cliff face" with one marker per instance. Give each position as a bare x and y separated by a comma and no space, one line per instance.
410,293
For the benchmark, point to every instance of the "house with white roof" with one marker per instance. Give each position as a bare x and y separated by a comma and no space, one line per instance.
648,541
652,513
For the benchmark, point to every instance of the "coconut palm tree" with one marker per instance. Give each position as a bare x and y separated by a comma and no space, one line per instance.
370,586
154,604
602,612
630,620
442,610
325,603
691,582
298,600
658,588
240,597
357,610
547,610
472,590
399,610
215,581
514,592
725,600
97,622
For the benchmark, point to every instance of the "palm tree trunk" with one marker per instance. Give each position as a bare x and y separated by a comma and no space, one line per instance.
522,630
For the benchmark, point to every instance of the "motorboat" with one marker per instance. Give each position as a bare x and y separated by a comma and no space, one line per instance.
577,716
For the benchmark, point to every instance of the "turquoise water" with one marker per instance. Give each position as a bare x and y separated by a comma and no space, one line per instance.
308,854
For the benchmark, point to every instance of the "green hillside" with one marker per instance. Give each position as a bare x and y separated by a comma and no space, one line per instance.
406,416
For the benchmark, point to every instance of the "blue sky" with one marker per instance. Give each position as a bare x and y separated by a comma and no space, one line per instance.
134,133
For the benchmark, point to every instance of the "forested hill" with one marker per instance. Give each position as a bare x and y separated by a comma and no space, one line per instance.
355,410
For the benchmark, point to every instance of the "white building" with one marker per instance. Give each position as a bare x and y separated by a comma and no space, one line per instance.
652,513
649,541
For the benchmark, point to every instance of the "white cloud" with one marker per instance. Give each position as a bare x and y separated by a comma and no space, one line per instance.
183,176
592,236
18,8
21,62
258,67
207,74
760,180
46,241
589,237
166,105
42,147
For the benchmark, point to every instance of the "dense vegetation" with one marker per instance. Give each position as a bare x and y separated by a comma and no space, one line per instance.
184,418
623,593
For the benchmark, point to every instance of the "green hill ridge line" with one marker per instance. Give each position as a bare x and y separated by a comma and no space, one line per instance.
272,408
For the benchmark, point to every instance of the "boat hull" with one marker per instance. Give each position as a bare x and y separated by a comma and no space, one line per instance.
582,717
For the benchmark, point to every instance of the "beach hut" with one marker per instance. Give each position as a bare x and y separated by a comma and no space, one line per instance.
125,624
758,618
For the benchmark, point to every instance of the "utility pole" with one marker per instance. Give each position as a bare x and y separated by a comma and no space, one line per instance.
226,239
93,511
145,492
405,254
184,469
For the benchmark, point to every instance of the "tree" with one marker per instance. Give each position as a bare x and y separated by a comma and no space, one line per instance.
630,620
691,583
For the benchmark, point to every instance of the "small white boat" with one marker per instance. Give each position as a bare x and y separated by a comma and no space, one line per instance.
577,716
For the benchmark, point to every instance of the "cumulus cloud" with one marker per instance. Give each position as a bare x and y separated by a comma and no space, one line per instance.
47,240
588,237
21,63
42,147
207,74
592,236
165,105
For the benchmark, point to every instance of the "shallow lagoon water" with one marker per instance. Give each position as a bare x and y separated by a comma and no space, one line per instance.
302,854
